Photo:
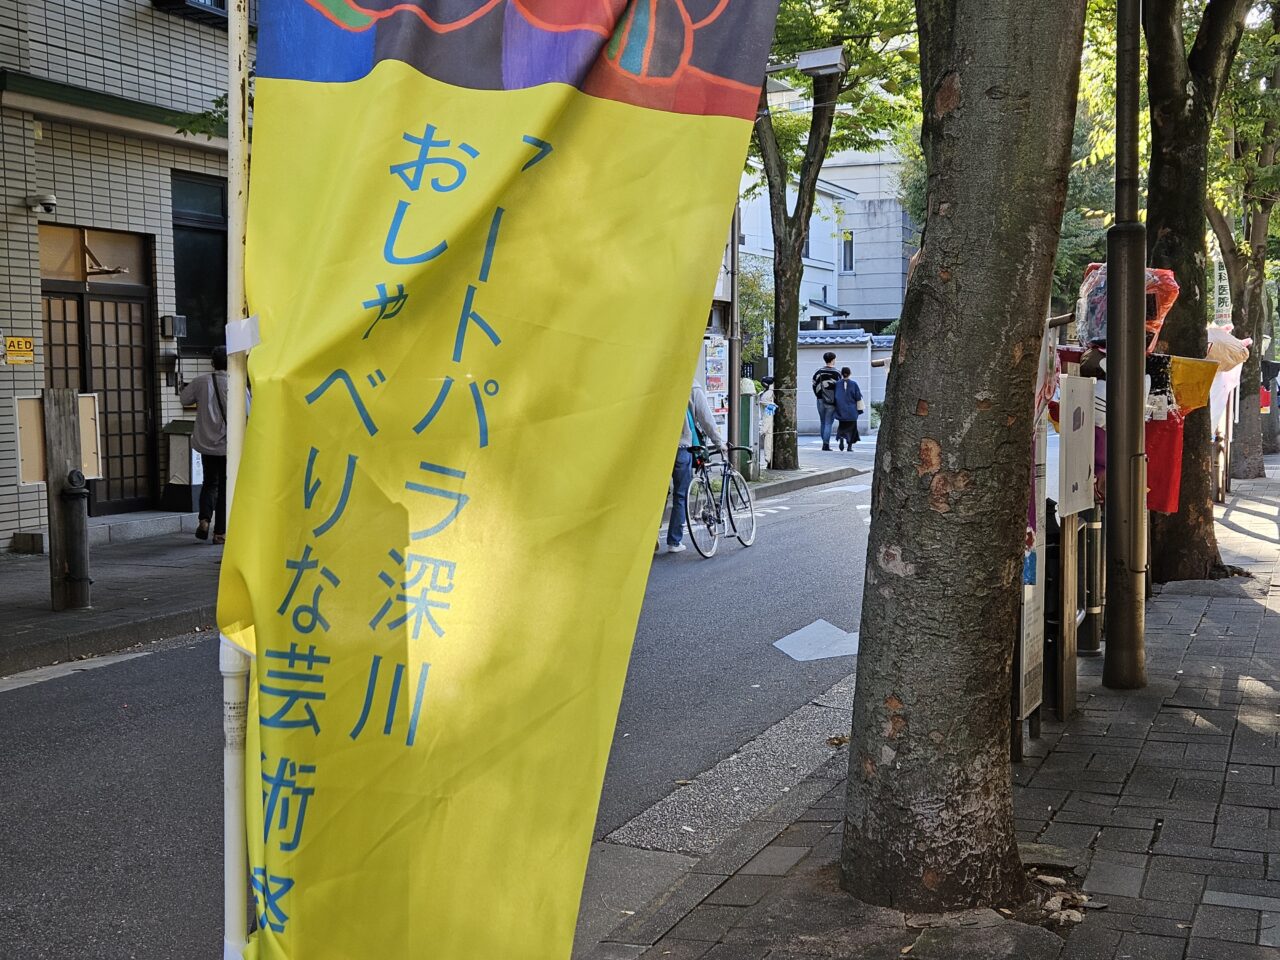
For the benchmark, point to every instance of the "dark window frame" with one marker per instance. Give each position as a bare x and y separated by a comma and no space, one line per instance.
202,222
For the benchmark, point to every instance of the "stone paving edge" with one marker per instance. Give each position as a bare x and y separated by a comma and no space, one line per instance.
100,639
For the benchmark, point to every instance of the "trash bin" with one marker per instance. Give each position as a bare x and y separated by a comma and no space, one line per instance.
185,475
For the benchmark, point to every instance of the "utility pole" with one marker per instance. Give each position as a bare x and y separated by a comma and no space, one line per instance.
1124,667
233,664
735,336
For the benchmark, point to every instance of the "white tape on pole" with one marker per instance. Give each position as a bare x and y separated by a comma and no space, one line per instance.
243,335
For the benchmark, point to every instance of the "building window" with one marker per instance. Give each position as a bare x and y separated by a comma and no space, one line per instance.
846,252
212,12
200,259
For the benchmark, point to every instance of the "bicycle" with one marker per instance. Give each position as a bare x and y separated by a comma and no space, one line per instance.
708,513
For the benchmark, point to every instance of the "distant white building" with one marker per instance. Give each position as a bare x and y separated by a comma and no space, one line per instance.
820,284
819,308
875,226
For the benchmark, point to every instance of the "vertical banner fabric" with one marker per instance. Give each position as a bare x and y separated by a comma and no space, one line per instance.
483,237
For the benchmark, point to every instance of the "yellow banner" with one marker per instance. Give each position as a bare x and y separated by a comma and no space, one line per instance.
479,312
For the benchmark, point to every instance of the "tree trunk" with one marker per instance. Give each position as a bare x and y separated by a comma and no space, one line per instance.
790,231
929,821
786,328
1246,446
1183,93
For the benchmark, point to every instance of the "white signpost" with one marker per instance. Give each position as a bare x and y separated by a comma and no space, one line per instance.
1076,452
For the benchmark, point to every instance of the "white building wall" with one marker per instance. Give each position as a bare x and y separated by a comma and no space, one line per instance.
102,179
20,508
883,235
127,48
821,279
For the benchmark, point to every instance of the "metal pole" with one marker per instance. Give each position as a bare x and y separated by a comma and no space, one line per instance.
75,516
1126,516
232,662
735,338
1090,640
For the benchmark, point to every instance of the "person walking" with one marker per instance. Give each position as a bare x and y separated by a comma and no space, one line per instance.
699,431
209,394
848,407
768,406
824,390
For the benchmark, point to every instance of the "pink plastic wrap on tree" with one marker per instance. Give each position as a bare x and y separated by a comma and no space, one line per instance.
1091,308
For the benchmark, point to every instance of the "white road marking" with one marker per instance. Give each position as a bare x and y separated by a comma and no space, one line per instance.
818,641
41,674
851,488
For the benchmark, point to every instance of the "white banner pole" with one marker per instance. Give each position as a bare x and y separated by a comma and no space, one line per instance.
232,663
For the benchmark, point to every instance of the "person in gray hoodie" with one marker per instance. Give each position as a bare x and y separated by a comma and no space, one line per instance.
209,394
699,431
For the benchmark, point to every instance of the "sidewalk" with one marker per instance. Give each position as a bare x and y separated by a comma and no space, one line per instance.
142,590
1161,806
817,466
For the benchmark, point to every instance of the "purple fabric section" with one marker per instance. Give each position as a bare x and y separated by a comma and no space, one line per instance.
531,56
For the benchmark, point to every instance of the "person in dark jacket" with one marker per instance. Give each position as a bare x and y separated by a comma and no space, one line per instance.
824,390
848,406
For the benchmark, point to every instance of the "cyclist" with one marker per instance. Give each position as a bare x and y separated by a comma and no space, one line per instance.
699,431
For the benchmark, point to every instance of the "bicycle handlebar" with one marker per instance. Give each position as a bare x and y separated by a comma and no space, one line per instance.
716,451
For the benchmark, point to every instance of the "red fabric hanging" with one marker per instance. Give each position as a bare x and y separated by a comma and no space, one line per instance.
1164,463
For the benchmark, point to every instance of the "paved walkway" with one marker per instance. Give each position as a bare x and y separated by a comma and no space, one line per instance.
142,590
1162,806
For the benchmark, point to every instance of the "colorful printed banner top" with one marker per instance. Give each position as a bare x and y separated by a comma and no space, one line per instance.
482,243
686,56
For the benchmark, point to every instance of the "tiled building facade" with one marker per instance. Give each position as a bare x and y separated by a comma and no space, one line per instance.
91,93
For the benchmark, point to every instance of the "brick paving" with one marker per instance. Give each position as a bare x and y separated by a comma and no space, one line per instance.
1173,788
1167,797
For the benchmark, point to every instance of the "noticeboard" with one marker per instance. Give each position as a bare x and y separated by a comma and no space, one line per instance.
31,458
1076,454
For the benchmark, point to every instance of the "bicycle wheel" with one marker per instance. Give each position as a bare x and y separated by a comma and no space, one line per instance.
742,510
701,517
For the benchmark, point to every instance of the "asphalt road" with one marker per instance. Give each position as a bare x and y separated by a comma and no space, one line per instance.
110,779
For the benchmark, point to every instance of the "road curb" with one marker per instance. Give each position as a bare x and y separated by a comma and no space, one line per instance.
657,917
776,488
102,639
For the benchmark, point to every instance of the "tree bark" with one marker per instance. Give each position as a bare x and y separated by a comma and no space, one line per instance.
786,334
1183,90
1247,461
790,231
929,820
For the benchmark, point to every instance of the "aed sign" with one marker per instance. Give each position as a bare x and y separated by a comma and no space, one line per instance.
20,350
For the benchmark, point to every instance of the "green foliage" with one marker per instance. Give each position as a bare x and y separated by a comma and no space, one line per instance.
212,122
755,304
1244,178
879,93
913,179
877,414
1089,210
